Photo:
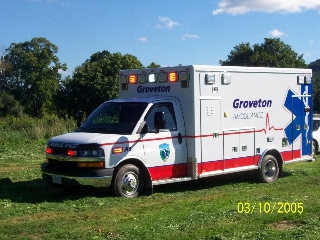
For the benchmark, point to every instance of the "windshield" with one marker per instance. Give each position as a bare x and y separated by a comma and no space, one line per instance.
114,117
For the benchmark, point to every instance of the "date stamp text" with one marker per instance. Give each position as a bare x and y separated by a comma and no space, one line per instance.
270,207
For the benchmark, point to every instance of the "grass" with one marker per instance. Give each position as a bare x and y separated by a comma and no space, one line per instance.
202,209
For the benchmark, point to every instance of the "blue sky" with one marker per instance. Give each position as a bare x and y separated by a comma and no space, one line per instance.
167,32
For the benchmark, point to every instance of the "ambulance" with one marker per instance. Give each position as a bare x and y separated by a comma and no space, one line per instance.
182,123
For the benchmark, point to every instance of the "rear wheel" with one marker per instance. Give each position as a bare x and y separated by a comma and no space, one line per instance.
269,170
128,182
314,147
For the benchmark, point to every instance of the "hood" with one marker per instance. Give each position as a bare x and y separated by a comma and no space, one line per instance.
74,139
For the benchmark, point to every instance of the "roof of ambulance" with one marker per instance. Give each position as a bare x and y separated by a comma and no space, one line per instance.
148,99
226,68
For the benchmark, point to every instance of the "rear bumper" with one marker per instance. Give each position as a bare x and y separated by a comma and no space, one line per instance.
92,177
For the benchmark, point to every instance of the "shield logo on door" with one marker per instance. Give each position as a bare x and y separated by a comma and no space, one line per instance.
164,151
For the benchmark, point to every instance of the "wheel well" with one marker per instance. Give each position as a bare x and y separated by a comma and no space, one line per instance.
140,165
277,156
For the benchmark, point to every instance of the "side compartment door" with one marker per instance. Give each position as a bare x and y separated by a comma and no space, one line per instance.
211,139
166,151
238,148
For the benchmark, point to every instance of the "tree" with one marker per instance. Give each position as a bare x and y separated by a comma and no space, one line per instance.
315,66
33,75
272,53
9,106
154,65
240,56
4,66
95,81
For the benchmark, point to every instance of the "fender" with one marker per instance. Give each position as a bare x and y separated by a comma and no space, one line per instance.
130,158
141,164
273,151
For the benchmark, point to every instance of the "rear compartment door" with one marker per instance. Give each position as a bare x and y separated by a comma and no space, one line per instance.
299,132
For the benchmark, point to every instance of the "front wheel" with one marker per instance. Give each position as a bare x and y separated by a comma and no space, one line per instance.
269,170
128,182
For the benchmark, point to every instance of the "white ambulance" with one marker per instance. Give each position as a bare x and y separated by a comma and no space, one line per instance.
182,123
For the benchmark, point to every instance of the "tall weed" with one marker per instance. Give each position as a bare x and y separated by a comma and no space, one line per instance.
26,128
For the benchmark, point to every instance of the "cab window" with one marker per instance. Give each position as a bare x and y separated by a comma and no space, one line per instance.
168,110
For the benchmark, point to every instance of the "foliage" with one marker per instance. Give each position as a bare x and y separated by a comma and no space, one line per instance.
33,75
94,82
272,53
239,56
315,66
14,129
154,65
9,106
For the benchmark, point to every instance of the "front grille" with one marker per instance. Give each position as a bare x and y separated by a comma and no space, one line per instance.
62,165
60,151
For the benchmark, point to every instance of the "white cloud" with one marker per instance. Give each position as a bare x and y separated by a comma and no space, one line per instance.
311,41
276,33
167,23
65,73
186,36
143,39
235,7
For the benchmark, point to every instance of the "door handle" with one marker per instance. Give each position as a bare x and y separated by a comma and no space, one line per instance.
179,138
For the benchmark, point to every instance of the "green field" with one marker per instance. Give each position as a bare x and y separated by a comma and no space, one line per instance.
225,207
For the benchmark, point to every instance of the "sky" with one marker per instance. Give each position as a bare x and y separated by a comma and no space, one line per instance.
167,32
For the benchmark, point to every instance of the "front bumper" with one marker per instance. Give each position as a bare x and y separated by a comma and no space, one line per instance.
88,177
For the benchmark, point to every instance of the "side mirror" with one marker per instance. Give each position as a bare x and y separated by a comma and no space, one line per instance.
79,118
159,121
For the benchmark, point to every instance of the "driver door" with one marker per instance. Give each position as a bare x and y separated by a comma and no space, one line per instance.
165,151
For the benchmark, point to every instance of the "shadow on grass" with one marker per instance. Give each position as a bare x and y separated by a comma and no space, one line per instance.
250,177
208,182
37,190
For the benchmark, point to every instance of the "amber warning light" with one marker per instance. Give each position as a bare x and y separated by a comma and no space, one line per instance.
133,79
173,77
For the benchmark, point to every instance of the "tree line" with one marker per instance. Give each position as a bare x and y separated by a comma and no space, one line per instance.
31,83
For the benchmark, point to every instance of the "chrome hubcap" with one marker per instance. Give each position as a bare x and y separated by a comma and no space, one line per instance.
270,169
130,183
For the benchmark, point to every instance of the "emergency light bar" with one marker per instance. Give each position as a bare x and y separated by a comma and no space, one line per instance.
210,78
162,77
307,80
173,77
133,79
184,76
142,78
225,79
123,79
304,80
152,77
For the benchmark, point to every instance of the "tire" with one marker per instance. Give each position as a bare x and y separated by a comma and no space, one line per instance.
269,170
314,148
128,182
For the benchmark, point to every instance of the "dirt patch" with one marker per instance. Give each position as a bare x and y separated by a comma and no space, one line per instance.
283,225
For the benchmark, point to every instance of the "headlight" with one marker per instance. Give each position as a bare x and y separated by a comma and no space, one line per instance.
90,153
